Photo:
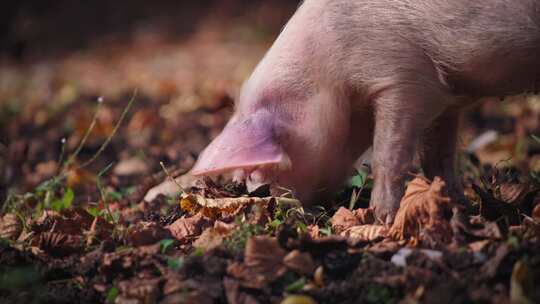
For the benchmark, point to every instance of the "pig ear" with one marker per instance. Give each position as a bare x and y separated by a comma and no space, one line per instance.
243,143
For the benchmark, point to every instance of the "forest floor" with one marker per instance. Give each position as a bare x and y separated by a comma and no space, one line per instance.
90,143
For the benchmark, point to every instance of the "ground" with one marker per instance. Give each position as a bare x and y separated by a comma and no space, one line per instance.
86,137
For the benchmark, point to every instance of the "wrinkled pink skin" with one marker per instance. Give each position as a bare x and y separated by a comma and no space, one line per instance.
345,75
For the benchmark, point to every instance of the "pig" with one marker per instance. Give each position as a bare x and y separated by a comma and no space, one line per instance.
345,75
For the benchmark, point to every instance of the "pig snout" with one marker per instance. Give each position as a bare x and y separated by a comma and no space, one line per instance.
248,147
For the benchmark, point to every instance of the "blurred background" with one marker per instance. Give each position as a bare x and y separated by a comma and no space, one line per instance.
187,60
138,43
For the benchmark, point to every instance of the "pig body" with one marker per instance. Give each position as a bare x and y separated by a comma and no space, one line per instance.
345,75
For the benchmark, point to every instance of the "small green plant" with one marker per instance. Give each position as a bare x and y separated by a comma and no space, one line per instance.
175,263
198,252
236,242
165,244
110,216
296,285
359,182
380,294
112,294
65,202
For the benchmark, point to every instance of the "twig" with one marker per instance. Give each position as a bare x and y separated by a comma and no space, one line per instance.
85,137
116,127
172,178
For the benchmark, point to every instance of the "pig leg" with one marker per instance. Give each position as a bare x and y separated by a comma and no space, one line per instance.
401,115
438,155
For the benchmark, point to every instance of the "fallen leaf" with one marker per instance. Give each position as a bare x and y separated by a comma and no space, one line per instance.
318,276
231,204
223,227
536,212
423,206
512,192
365,216
494,209
142,290
521,284
10,226
188,297
300,262
59,244
343,219
234,294
146,233
262,265
211,238
365,233
298,299
187,227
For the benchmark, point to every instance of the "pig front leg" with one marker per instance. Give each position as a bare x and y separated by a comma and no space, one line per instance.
438,155
401,115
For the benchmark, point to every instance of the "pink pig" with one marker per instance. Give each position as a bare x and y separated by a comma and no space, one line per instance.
345,75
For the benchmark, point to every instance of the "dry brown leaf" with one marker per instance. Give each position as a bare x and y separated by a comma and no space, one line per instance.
224,228
146,233
142,290
365,216
188,297
490,230
536,212
234,295
343,219
10,227
512,192
211,238
262,265
522,286
187,227
75,222
59,244
300,262
365,233
423,206
298,299
229,205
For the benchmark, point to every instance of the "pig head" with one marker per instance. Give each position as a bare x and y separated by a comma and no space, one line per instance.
290,141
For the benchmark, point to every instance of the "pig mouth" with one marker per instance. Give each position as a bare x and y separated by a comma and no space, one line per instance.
256,177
